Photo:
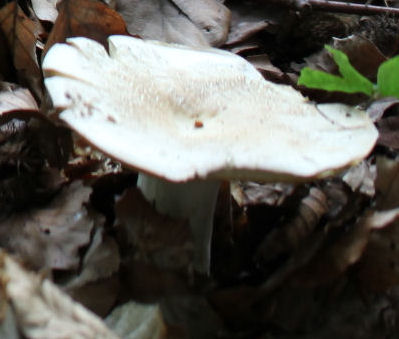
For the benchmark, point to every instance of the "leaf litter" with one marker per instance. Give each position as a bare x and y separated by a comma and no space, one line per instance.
309,260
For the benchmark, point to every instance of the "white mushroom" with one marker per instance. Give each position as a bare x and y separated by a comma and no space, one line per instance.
186,118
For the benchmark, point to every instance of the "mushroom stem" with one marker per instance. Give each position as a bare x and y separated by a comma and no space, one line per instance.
194,200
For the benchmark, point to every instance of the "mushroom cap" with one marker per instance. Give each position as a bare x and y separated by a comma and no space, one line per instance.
181,113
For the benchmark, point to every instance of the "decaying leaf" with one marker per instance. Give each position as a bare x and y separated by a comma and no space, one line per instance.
22,34
137,321
160,240
96,286
88,18
346,250
45,9
389,134
252,193
252,17
362,53
288,237
378,269
361,178
189,22
51,237
378,108
15,98
42,311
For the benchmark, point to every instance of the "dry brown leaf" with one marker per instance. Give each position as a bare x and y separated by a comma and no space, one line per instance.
160,240
290,236
51,237
158,250
362,53
21,34
252,17
88,18
44,312
379,267
335,258
7,71
263,64
388,129
387,183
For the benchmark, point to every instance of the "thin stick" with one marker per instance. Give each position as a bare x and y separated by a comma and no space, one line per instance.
351,8
336,6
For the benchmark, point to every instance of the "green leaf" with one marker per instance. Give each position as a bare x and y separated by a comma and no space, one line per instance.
350,81
388,78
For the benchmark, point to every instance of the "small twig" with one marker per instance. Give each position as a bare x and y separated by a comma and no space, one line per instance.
351,8
337,6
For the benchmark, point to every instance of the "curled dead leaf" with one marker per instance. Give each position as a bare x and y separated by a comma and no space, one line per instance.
21,34
290,236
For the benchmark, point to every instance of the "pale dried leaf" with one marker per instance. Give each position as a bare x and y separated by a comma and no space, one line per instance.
160,20
210,16
15,99
378,107
97,285
8,322
137,321
361,178
43,311
100,261
45,9
253,193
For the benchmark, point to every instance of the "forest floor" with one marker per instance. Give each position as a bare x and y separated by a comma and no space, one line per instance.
317,259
